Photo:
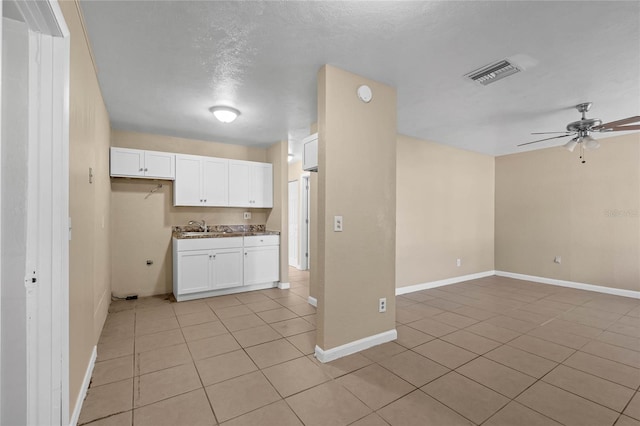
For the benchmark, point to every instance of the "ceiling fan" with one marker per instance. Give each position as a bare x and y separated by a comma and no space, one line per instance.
582,128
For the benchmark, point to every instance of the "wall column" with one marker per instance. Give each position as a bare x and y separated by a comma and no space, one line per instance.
356,180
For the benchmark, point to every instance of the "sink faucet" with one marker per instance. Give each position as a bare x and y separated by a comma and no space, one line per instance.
202,225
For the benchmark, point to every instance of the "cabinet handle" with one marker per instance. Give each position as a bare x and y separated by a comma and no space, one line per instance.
140,170
146,170
205,200
210,257
245,253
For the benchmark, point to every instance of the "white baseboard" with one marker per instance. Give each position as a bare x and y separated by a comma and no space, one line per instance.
85,387
440,283
312,301
355,346
571,284
284,286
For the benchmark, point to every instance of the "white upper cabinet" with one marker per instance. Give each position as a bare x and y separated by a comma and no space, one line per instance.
201,181
250,184
310,153
138,163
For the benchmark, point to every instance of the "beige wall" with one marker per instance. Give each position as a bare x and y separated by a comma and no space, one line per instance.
445,206
549,204
356,179
89,205
278,216
141,222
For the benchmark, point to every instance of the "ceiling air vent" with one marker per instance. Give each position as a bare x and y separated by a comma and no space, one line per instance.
494,72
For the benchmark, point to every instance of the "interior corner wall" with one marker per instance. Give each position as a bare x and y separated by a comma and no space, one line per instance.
278,216
142,219
549,204
356,180
89,205
445,212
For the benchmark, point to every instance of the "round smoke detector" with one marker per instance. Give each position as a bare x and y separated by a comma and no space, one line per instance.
364,93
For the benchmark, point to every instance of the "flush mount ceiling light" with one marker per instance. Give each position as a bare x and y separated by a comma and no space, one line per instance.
224,113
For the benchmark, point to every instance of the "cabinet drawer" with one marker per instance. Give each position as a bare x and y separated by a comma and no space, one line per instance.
207,243
262,240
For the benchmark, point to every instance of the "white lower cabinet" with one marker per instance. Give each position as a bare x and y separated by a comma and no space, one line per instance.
204,267
261,259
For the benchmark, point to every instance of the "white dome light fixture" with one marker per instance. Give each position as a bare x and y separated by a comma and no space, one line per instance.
224,113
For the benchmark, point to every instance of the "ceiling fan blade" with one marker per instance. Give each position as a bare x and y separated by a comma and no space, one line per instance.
617,123
550,133
540,140
622,128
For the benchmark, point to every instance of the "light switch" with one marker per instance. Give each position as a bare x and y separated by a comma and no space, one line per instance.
337,223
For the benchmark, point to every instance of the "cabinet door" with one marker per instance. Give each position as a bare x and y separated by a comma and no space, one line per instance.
127,162
239,172
215,175
187,187
194,273
227,268
159,165
310,153
261,188
261,265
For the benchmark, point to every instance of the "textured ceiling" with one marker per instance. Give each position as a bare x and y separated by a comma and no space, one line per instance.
162,64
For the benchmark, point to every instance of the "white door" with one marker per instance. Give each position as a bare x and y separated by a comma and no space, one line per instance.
194,274
187,187
294,218
305,225
215,177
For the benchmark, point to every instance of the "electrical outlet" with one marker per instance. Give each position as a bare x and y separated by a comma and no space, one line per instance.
458,262
557,259
382,305
246,215
337,223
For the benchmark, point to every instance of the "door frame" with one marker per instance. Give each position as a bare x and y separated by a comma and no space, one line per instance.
47,269
305,228
295,250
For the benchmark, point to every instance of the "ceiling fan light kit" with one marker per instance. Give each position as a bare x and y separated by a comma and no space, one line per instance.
582,128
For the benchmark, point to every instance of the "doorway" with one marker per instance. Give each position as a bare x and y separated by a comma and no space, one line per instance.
34,217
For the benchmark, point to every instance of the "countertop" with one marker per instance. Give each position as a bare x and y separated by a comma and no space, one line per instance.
195,234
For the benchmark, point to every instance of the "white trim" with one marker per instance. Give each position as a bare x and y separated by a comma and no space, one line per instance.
355,346
571,284
85,388
1,43
284,286
223,292
312,301
440,283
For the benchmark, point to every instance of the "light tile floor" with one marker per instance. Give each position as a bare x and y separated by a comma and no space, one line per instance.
492,351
